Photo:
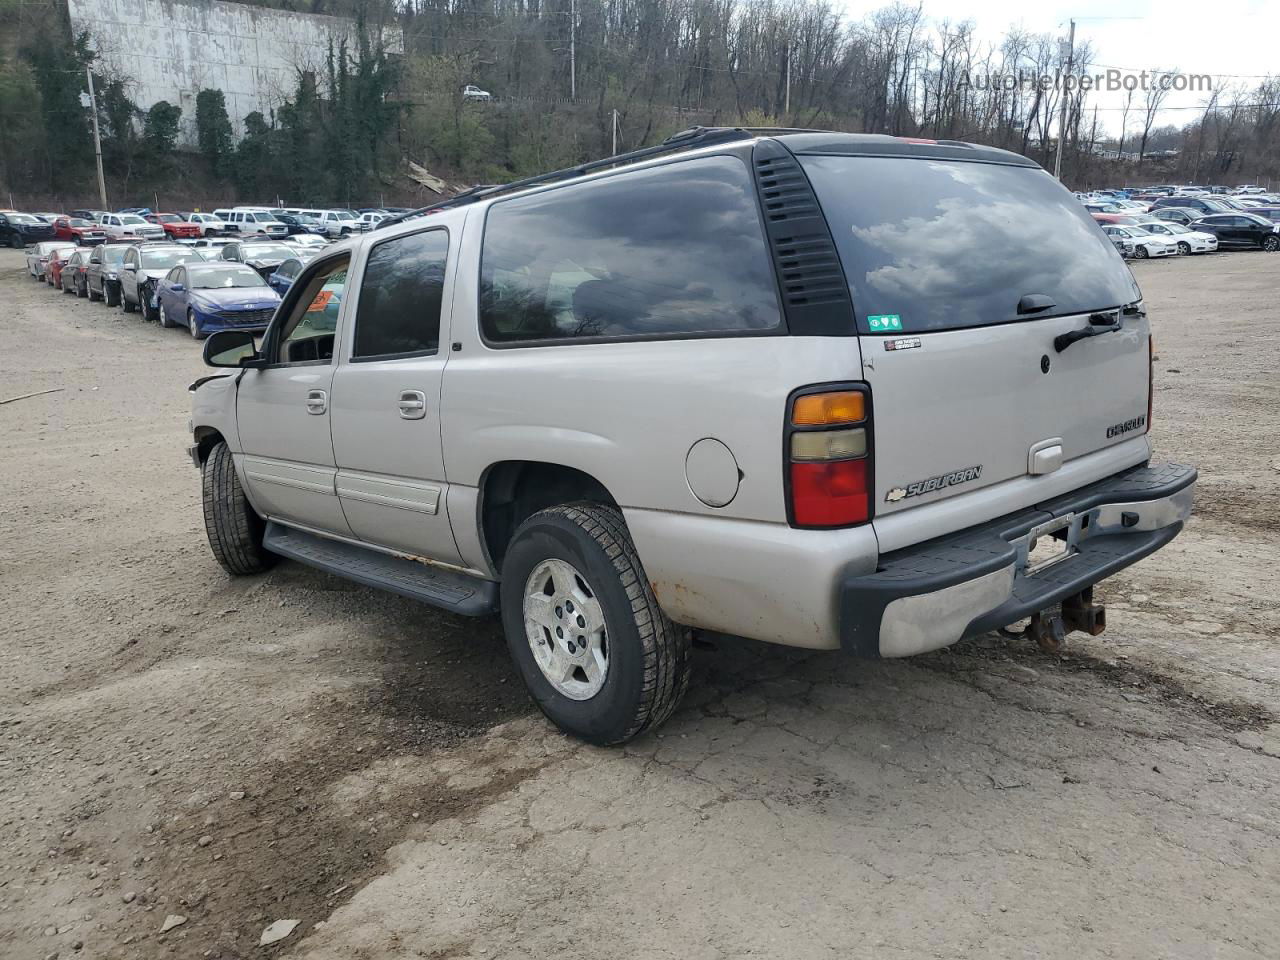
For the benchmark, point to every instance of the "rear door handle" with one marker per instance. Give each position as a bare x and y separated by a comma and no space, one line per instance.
317,402
413,404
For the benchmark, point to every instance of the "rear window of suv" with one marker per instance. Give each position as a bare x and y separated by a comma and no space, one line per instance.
945,244
671,251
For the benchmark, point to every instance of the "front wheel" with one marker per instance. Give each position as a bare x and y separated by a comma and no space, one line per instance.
194,327
1141,252
234,530
164,317
1271,244
598,655
111,293
1184,248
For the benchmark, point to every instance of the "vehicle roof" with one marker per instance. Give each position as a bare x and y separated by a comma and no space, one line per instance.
700,142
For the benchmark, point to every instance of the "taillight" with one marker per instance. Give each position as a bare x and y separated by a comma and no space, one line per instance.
828,453
1151,378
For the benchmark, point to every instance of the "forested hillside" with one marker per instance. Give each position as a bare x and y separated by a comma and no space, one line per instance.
558,71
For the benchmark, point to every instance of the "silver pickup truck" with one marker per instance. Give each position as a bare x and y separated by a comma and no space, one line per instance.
828,390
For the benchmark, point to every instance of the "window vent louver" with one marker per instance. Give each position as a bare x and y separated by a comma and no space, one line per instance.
808,266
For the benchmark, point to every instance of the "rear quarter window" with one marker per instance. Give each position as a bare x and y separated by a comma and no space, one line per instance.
946,244
671,251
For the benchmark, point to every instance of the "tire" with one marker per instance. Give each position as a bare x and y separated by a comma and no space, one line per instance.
82,289
194,328
93,297
1141,252
1184,248
65,288
124,304
143,306
163,318
234,530
111,293
1271,244
647,665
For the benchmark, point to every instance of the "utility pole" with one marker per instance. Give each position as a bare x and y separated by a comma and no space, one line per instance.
1062,115
573,49
97,140
786,103
615,133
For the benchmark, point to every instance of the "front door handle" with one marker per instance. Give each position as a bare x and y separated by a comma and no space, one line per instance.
413,404
317,402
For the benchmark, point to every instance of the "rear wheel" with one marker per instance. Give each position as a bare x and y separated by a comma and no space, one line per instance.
598,655
82,287
164,317
234,530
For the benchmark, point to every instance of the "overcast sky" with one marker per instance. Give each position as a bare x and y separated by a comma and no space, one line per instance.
1218,37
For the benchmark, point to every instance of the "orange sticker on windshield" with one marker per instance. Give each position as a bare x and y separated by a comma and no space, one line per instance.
321,301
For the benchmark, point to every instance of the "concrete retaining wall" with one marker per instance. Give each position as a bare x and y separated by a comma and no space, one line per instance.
172,49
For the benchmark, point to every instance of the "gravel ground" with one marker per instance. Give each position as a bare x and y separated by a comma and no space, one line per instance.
174,744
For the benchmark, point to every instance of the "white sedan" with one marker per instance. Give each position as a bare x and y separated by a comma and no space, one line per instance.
1188,240
1145,243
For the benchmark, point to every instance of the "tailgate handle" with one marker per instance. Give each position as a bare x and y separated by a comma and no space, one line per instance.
1035,302
1099,323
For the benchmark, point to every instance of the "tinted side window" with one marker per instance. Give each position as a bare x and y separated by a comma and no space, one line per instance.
676,250
400,297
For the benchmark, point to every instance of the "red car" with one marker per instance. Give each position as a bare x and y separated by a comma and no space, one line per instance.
57,260
84,232
175,227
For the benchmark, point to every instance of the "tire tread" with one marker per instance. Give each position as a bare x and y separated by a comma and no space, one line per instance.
234,530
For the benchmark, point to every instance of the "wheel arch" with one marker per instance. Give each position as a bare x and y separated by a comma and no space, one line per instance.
206,439
511,491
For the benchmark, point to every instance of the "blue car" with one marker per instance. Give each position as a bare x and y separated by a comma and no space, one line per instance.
284,275
213,295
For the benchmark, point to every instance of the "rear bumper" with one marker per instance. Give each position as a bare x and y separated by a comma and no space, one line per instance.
928,596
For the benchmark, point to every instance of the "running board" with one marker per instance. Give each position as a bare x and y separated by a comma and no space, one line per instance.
449,589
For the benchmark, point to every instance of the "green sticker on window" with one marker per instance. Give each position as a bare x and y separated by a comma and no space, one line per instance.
884,321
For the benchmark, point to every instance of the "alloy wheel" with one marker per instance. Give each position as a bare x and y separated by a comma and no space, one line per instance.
565,627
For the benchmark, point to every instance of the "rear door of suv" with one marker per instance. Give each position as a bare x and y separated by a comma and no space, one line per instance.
386,398
978,287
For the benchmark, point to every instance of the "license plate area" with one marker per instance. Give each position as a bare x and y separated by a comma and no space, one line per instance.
1050,543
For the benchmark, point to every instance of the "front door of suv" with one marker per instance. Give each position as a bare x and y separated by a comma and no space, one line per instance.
386,399
282,410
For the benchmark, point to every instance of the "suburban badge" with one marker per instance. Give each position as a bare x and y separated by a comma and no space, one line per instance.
940,482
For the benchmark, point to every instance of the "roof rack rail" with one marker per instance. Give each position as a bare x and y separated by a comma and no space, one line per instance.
684,140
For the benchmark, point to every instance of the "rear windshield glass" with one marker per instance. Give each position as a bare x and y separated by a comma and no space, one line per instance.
939,244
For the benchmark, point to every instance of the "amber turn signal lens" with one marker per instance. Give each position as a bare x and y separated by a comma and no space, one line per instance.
821,409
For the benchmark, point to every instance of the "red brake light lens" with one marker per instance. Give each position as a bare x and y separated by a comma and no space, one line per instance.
830,494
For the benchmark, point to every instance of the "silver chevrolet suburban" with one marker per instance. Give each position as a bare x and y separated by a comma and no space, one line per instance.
828,390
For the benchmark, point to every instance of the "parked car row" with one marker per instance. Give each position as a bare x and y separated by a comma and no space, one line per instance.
1185,222
202,283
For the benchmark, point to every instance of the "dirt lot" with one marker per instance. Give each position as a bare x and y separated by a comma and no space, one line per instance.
173,743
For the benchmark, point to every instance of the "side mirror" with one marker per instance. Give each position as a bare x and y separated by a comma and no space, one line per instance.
176,287
230,348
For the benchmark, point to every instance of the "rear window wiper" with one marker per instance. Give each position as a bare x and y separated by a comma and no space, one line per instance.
1099,323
